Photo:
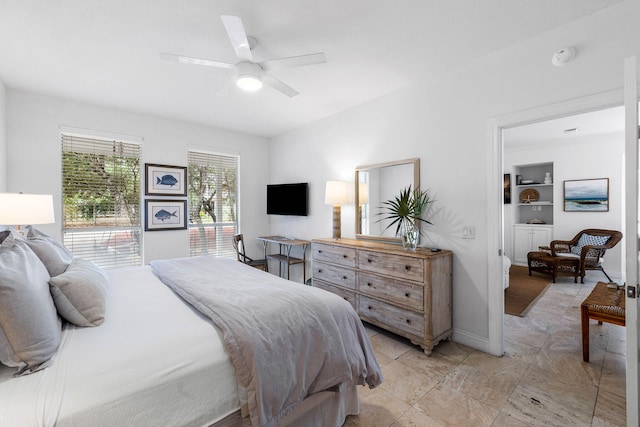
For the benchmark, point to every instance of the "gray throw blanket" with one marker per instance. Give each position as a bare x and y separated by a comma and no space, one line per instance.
285,340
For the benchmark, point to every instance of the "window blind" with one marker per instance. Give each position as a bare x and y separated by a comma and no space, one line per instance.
101,200
213,203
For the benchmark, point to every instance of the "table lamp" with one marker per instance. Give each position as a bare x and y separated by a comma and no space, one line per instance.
336,194
18,209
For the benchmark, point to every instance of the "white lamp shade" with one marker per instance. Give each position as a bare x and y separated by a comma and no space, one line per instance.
18,208
336,193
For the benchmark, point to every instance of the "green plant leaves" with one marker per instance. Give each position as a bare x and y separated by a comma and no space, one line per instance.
409,205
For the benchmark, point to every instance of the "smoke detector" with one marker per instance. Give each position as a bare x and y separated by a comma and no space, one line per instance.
563,56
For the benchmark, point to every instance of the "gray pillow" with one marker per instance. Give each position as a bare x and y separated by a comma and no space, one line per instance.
3,235
53,254
31,328
79,293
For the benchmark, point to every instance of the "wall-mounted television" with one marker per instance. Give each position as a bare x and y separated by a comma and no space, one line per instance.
287,199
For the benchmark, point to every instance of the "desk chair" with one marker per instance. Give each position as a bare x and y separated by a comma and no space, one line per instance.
238,244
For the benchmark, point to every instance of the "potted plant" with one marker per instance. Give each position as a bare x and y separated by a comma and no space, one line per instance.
405,212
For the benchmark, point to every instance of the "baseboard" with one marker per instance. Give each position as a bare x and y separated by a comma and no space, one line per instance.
471,340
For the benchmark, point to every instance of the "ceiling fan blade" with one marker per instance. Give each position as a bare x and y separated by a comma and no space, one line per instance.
294,61
279,86
238,37
195,61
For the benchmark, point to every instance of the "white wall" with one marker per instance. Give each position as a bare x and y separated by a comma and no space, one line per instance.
583,158
445,123
34,158
3,138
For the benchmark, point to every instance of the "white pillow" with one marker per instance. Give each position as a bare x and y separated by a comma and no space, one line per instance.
79,293
53,254
31,328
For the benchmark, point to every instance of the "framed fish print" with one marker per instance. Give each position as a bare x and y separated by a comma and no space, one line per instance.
165,215
165,180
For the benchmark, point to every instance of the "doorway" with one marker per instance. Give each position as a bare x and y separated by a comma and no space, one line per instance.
550,338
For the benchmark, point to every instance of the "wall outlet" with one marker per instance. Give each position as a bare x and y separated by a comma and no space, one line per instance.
469,232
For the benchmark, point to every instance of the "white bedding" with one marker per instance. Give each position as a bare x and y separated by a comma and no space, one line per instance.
186,377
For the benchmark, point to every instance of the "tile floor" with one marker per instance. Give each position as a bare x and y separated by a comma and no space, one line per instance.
541,379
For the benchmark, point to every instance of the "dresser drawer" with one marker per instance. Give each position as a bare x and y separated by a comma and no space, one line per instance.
408,294
334,274
334,254
403,267
341,292
392,316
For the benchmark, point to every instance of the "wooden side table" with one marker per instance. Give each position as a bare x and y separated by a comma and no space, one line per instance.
603,304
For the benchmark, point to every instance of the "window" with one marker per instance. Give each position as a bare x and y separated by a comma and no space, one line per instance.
101,200
213,203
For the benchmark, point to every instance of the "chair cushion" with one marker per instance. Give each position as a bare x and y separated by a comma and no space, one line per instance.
588,240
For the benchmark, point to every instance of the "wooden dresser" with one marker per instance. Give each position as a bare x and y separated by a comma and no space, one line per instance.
405,292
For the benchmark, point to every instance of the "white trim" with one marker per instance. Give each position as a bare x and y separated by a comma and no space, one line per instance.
495,280
90,133
630,229
470,340
210,150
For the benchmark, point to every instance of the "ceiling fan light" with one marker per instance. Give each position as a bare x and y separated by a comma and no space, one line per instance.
249,83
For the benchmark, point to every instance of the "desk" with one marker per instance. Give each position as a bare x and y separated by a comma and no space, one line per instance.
286,244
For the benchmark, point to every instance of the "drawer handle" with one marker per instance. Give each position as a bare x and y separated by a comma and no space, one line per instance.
319,252
407,267
344,256
344,277
406,294
408,320
369,307
368,260
319,270
368,284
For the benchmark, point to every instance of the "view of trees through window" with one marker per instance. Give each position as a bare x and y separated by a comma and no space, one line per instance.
213,203
101,200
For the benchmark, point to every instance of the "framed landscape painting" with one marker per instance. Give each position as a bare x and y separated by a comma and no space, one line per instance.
165,180
165,215
586,195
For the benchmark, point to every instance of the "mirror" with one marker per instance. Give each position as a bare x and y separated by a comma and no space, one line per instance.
375,184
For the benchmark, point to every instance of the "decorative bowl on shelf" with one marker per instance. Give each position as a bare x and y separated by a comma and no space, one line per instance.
526,181
529,195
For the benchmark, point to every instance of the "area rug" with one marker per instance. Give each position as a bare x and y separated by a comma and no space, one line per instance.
523,290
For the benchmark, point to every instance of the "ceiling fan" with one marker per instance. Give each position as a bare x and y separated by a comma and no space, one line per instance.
250,75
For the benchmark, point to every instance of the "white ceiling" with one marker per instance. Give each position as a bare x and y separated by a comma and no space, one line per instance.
592,124
106,52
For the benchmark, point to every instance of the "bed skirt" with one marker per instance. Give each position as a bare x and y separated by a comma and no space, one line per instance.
326,408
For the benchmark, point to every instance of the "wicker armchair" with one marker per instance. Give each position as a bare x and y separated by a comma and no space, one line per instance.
589,246
238,244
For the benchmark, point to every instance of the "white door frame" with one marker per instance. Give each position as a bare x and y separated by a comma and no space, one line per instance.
631,227
495,247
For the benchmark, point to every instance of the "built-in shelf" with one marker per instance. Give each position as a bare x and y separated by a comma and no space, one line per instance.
529,236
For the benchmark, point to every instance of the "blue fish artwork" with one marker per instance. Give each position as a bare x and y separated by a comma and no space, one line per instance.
169,180
163,215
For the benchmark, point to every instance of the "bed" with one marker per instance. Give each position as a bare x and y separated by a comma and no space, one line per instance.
155,359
